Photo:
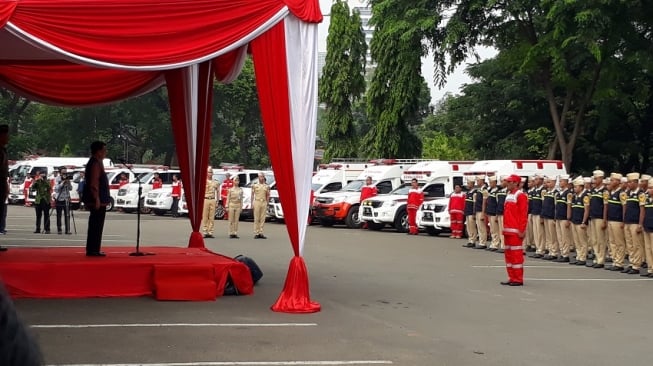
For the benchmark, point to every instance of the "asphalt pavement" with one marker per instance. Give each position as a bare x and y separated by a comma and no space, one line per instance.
387,298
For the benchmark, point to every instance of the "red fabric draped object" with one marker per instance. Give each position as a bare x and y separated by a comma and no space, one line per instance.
190,93
308,11
6,9
72,84
139,32
271,71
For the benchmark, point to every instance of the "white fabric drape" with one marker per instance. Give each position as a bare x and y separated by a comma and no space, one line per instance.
301,56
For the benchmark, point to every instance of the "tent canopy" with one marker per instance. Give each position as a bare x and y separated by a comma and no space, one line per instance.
87,52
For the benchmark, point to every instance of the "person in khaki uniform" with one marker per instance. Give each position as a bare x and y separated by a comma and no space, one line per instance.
260,199
539,235
615,219
563,200
598,225
633,231
646,222
480,207
234,204
530,237
491,211
643,182
210,198
580,209
501,200
547,216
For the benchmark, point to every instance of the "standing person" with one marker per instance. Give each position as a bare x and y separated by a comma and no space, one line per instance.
210,197
457,212
224,189
548,215
367,191
176,195
123,180
28,184
480,206
530,236
18,347
472,232
260,199
515,220
564,197
62,201
615,219
415,199
580,212
539,236
42,202
157,182
632,229
491,211
234,205
598,225
501,200
646,221
96,198
4,173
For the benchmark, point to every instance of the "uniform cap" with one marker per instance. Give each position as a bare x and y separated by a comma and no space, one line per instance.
539,176
514,178
480,177
493,178
523,179
598,174
503,177
632,176
579,181
550,178
563,177
645,177
616,176
587,180
470,179
650,183
624,180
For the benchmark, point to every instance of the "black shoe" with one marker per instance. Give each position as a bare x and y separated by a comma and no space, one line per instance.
537,255
46,232
3,249
59,232
644,265
257,236
231,236
615,268
37,231
608,260
596,265
500,250
549,257
69,233
645,274
480,247
261,236
516,284
573,263
468,245
590,256
505,283
580,263
625,270
633,271
493,249
589,265
650,275
561,260
530,249
96,254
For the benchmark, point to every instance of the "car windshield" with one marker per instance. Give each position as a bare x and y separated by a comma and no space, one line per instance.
354,186
19,174
316,187
269,179
144,177
401,190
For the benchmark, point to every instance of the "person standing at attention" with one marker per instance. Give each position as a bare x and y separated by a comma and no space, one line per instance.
210,195
515,220
457,212
176,195
415,199
260,199
367,191
234,204
96,198
42,202
4,173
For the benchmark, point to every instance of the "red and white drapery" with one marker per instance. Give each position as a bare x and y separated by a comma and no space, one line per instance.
87,52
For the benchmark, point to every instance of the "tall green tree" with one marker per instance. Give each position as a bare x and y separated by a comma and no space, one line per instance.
343,80
395,94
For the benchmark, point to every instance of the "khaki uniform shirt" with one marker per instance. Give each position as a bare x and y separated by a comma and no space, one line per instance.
235,197
211,189
260,192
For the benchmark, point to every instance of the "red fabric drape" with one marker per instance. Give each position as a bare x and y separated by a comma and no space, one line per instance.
224,65
306,10
192,143
142,32
6,10
72,84
271,71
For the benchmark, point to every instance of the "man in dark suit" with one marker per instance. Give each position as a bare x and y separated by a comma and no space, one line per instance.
96,198
4,173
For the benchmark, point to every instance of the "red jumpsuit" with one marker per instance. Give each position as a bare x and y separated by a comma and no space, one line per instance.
366,192
157,183
457,214
28,183
224,189
515,218
415,199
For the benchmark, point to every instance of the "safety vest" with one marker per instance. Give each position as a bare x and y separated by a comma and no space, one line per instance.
563,198
578,207
469,202
633,200
491,208
596,202
478,199
501,200
548,204
537,201
648,213
615,207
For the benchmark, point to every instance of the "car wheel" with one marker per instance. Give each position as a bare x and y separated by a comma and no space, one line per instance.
401,220
219,212
352,220
110,205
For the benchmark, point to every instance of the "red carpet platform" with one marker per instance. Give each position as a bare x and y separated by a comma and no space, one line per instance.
172,274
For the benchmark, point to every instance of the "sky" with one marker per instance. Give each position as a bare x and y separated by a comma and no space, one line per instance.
454,81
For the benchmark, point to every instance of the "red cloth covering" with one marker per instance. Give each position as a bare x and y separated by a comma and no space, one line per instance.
368,192
176,189
457,203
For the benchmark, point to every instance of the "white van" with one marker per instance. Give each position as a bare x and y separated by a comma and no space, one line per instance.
114,175
434,215
127,198
329,178
248,209
342,206
438,178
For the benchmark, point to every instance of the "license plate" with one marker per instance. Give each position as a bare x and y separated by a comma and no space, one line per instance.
151,202
120,202
367,211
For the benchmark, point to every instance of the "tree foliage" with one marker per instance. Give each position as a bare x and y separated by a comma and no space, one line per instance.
343,80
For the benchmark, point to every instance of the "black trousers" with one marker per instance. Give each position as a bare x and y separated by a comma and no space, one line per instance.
95,228
43,210
63,209
175,206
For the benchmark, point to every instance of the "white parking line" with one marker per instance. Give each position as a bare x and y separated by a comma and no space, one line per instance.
241,363
62,239
157,325
557,267
589,279
41,246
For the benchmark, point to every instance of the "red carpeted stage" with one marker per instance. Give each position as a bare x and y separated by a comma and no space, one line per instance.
172,274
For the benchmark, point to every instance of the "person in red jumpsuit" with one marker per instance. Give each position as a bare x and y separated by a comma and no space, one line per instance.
157,182
368,191
457,212
415,199
28,183
123,180
515,219
224,189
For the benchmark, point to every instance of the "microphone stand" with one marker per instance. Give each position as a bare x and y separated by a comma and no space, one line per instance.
138,252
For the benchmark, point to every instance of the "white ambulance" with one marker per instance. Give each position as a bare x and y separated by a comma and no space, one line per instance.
342,206
128,198
328,178
114,175
434,217
437,179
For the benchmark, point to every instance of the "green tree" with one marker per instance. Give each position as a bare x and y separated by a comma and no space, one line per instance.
395,95
343,80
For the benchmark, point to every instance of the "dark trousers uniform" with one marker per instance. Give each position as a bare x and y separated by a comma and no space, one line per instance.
42,210
95,228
